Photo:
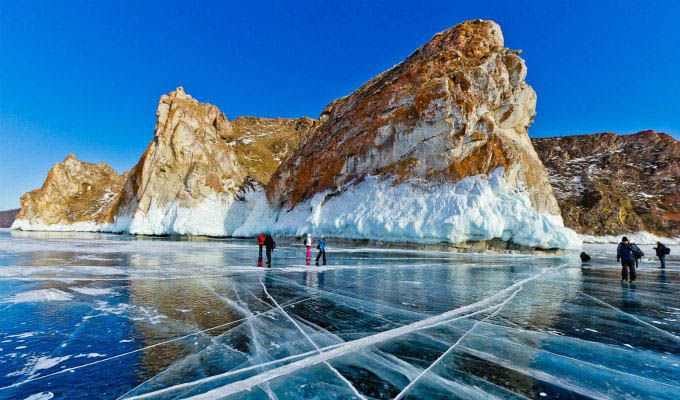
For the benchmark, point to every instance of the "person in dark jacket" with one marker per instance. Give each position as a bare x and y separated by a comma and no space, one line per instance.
260,243
322,250
624,254
269,245
661,252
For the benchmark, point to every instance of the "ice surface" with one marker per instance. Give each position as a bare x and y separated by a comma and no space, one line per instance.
475,208
163,319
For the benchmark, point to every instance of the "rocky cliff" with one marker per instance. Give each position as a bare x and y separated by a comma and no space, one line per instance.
434,149
197,176
7,217
609,184
76,195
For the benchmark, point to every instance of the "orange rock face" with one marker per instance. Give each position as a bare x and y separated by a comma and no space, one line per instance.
458,106
609,184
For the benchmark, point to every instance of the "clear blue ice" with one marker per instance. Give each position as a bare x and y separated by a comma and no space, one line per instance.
113,316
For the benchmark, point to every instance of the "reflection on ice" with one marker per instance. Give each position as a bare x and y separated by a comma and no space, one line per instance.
117,317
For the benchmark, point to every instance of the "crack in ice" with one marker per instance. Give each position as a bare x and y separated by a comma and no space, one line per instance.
319,351
351,346
460,339
670,335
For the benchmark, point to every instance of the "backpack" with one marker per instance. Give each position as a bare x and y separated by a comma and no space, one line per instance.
636,251
666,250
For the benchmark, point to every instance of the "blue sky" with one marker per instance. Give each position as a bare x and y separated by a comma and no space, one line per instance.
85,77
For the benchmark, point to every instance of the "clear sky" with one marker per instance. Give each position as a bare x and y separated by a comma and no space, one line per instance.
85,77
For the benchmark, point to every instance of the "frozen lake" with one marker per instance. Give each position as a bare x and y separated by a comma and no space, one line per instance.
105,316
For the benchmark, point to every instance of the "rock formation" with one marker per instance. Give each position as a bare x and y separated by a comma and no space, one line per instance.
262,143
76,195
7,217
433,150
609,184
442,121
197,176
201,172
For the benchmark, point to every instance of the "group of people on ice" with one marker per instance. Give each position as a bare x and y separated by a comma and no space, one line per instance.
267,241
629,255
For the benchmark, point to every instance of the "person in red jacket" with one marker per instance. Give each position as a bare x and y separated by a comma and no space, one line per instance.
260,242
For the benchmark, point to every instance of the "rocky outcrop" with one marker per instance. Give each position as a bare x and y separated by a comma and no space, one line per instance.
201,172
445,119
75,194
187,170
262,143
199,175
433,150
7,217
609,184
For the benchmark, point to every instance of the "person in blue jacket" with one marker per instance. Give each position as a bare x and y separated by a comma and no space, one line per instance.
322,250
624,253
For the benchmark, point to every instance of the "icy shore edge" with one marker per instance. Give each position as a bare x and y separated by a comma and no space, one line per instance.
635,237
477,208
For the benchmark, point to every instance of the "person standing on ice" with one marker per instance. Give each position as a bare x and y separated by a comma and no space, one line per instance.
662,251
624,253
308,244
260,242
269,245
322,250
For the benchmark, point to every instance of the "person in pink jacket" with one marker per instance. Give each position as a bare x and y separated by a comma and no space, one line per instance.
308,243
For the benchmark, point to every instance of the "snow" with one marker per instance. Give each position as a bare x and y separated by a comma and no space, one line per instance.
93,291
472,209
40,295
120,225
42,363
475,208
40,396
216,215
635,237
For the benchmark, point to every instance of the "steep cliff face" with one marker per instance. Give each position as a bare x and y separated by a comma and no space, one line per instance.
201,172
262,143
75,194
186,175
609,184
438,126
199,175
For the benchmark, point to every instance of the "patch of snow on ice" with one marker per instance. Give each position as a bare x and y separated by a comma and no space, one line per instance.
40,295
23,335
40,396
90,355
92,291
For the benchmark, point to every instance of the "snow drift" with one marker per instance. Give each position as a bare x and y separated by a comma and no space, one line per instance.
475,208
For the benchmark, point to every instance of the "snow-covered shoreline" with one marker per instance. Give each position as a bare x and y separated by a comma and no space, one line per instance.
635,237
475,209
